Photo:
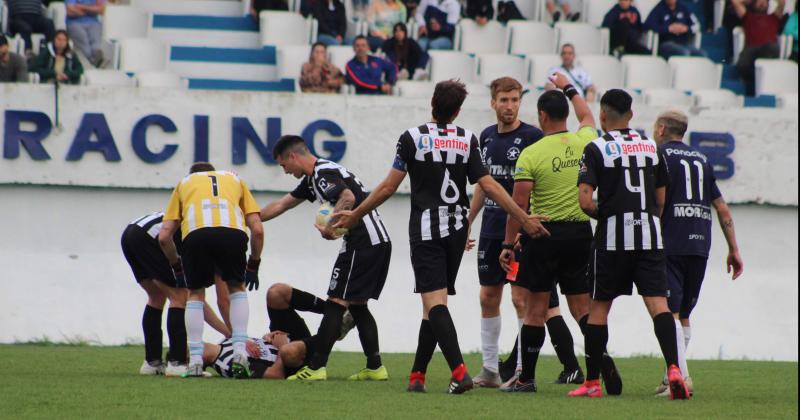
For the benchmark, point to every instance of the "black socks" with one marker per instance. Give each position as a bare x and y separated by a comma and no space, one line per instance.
176,330
368,334
562,342
151,326
329,330
596,337
304,301
446,335
288,321
426,344
664,325
532,340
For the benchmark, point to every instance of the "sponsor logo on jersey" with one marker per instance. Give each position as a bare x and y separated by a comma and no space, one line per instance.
697,237
686,153
501,170
517,140
633,222
614,149
691,210
427,143
513,153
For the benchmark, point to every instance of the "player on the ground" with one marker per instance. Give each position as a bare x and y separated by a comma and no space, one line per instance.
212,208
440,158
686,224
630,178
545,179
153,273
262,355
361,268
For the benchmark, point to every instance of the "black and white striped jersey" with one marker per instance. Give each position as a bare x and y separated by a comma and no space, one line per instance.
222,364
626,169
439,159
151,224
326,184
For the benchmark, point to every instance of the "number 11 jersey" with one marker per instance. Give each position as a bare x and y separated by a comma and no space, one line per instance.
439,159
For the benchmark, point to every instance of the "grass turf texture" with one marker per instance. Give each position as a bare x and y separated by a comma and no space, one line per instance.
51,381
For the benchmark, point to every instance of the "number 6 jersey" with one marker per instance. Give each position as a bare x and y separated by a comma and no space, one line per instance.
626,169
439,159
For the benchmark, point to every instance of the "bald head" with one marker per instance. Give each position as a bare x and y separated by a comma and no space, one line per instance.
671,125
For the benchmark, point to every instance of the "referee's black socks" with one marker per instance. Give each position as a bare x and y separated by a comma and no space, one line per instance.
426,344
368,334
664,325
446,335
304,301
596,337
151,327
562,342
532,338
329,330
176,330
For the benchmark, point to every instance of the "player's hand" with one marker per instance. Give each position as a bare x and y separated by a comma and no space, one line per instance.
252,349
518,243
506,259
345,219
735,264
559,80
533,226
327,232
470,242
251,274
177,270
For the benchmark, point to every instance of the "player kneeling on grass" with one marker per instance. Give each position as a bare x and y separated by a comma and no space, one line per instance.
152,271
211,208
362,265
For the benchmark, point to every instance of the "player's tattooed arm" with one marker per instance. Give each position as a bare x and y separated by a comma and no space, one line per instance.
585,192
734,261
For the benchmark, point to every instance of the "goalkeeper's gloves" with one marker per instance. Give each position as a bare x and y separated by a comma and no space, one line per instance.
251,274
177,271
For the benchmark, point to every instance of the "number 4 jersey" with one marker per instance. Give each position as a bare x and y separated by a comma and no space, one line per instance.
439,159
687,212
626,169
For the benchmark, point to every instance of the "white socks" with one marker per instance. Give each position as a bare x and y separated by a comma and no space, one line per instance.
490,335
194,330
681,341
520,321
687,335
240,313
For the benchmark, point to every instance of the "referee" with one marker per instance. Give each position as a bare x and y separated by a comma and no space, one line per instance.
211,208
630,178
440,157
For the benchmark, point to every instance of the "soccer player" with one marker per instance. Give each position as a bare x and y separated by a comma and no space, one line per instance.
263,356
686,224
501,145
625,168
211,208
544,181
439,157
153,274
360,270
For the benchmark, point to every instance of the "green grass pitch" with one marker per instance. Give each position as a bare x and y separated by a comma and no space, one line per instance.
51,381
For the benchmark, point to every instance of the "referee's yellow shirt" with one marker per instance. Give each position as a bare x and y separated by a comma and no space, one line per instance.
211,199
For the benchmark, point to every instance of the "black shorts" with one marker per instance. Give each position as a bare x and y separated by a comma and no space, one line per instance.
685,275
214,250
490,273
436,262
615,272
554,302
359,274
545,262
145,257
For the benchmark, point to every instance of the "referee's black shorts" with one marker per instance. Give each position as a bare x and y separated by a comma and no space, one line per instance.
615,273
436,262
145,257
211,250
559,259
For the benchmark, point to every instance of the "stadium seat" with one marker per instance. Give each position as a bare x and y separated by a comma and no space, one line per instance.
774,77
95,77
160,79
644,71
57,11
291,59
479,90
190,7
3,18
786,43
605,71
738,43
120,22
522,32
717,99
594,11
473,39
644,6
586,38
286,28
531,10
339,55
690,73
667,98
142,54
787,100
452,65
493,66
16,44
540,63
415,89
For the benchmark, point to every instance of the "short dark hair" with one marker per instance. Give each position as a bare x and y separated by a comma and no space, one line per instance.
568,45
201,167
554,103
505,84
617,101
289,143
448,96
3,40
359,37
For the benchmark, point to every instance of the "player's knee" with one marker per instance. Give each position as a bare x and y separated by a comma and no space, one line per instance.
292,354
279,295
519,303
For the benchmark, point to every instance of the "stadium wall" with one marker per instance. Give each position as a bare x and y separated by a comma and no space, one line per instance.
64,277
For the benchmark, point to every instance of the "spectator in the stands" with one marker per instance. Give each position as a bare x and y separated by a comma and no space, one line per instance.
559,8
257,6
575,73
13,67
625,23
405,53
791,30
411,7
85,28
57,62
437,21
676,27
508,10
369,74
319,75
330,15
382,15
26,17
481,11
760,37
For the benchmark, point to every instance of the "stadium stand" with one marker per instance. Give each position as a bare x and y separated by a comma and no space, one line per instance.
717,98
605,71
667,98
339,55
160,79
142,54
286,28
493,66
520,34
642,72
472,38
586,38
120,22
452,65
690,73
291,59
540,63
414,89
96,77
595,10
774,77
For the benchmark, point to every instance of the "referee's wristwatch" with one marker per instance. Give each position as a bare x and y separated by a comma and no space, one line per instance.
508,245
